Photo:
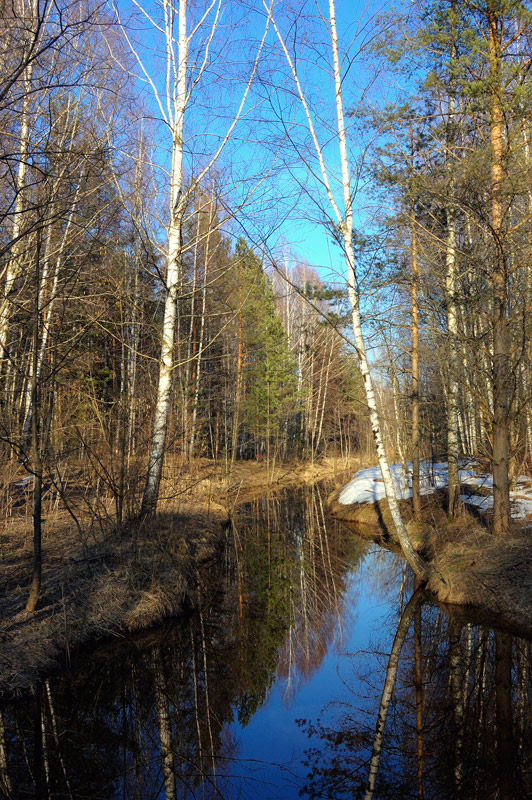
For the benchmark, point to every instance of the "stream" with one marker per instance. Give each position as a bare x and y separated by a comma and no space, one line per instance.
306,637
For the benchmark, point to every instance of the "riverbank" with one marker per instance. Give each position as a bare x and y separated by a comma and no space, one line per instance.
101,581
468,564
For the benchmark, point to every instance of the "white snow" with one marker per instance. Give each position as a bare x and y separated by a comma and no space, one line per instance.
367,486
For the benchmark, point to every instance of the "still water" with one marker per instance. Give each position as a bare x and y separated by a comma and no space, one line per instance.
312,670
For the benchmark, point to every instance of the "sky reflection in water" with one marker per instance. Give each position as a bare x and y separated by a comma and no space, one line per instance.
294,638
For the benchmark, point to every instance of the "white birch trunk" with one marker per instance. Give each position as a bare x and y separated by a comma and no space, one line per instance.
409,553
453,365
14,264
173,272
344,223
172,108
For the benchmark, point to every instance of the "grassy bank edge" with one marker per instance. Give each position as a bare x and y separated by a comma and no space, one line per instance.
122,582
473,571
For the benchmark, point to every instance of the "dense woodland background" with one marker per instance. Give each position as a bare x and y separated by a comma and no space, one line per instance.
151,313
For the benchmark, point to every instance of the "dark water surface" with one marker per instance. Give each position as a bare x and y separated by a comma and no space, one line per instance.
306,638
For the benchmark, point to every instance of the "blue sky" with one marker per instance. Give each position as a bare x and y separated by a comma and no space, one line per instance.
294,225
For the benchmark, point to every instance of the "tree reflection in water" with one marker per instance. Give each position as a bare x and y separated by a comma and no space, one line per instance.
453,720
151,717
443,714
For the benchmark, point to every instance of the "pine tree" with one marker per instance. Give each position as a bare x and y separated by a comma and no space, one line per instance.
269,368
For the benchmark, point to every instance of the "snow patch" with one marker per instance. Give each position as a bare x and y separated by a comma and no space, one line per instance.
367,486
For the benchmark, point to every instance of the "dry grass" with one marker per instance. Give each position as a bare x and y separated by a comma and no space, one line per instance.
100,582
119,585
474,567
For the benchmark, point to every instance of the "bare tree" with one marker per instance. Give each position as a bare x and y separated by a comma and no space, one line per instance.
190,39
342,214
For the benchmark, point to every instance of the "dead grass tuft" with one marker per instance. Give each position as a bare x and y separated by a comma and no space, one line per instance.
476,568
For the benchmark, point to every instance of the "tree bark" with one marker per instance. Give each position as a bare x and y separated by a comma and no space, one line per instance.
14,266
416,562
36,455
173,278
454,505
416,493
499,283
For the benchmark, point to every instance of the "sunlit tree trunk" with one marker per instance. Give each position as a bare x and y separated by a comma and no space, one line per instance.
346,224
238,380
36,454
173,266
453,365
499,283
172,108
14,263
416,439
201,335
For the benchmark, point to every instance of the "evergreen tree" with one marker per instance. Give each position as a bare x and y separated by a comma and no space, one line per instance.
269,367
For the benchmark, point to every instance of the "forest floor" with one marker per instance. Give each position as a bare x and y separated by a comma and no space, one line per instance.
469,565
99,580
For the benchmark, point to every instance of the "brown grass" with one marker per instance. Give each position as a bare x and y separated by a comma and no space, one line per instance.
99,581
120,585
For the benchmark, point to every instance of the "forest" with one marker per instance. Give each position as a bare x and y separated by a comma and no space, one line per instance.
170,171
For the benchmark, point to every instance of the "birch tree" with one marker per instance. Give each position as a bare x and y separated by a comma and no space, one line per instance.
341,213
191,42
35,35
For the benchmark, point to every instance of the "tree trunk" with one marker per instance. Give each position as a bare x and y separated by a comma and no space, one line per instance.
416,493
499,283
415,561
36,456
344,225
454,504
173,280
13,267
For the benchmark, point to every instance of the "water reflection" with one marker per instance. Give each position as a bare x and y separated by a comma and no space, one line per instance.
452,721
424,706
151,718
